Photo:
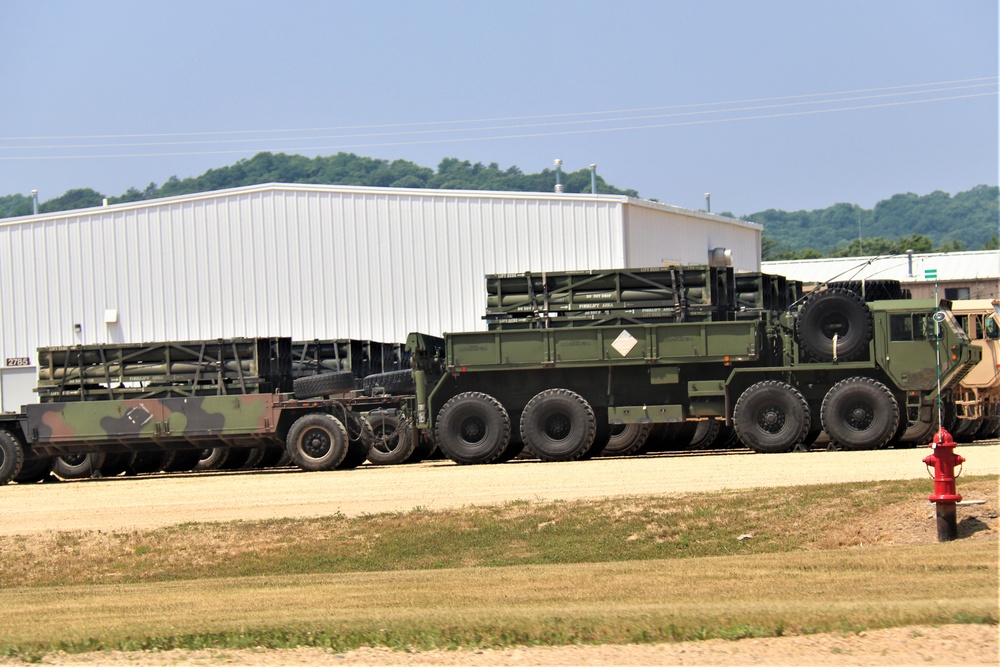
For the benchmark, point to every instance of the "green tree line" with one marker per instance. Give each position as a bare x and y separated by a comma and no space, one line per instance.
937,221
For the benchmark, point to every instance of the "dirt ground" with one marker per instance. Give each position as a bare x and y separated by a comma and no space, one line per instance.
149,502
142,503
965,645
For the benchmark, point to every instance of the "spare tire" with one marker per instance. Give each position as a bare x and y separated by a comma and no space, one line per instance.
834,312
393,382
312,386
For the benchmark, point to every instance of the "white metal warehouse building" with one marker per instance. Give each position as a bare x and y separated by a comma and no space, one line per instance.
313,261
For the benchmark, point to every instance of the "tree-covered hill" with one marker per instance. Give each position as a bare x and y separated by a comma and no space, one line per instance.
339,169
965,221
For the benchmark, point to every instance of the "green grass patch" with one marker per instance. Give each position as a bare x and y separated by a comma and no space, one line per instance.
518,533
623,570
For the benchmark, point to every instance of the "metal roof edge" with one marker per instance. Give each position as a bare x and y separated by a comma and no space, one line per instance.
310,187
704,215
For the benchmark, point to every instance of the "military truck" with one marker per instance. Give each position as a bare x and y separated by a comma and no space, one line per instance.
976,404
566,360
574,354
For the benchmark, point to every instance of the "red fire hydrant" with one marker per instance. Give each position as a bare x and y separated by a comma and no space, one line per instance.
944,459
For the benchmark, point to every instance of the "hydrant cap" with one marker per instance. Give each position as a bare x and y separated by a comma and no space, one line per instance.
942,439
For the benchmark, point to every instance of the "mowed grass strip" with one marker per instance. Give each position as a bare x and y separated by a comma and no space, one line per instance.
637,601
630,569
519,533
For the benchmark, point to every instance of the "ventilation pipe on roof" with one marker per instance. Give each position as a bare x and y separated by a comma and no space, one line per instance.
593,179
708,202
34,202
909,263
559,185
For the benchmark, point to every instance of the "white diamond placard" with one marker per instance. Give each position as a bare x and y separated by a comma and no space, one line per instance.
624,343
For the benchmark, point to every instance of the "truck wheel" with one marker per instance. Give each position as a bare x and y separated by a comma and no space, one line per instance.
558,425
78,466
393,440
185,460
11,457
705,434
839,312
393,382
243,458
34,470
626,439
771,417
965,430
313,386
860,413
212,458
151,462
360,438
473,428
273,457
317,441
117,463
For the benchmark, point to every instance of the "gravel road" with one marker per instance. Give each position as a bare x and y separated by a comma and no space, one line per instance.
147,502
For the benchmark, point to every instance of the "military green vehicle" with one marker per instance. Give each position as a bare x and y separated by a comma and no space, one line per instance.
568,358
149,403
575,355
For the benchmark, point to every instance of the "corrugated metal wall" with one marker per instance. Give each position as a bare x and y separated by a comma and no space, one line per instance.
657,234
300,261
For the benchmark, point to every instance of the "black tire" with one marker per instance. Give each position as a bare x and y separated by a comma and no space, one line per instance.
771,417
705,434
393,382
558,425
240,458
513,451
834,311
151,462
360,439
965,430
394,443
728,438
313,386
117,463
626,439
317,441
34,470
185,460
11,456
860,413
676,436
78,466
273,457
212,458
473,428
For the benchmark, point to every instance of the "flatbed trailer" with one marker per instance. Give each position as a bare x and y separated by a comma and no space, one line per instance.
318,434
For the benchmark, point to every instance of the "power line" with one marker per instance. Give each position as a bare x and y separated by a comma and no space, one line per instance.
502,137
499,127
991,80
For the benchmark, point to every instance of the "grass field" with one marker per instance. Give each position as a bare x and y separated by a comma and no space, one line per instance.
829,557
